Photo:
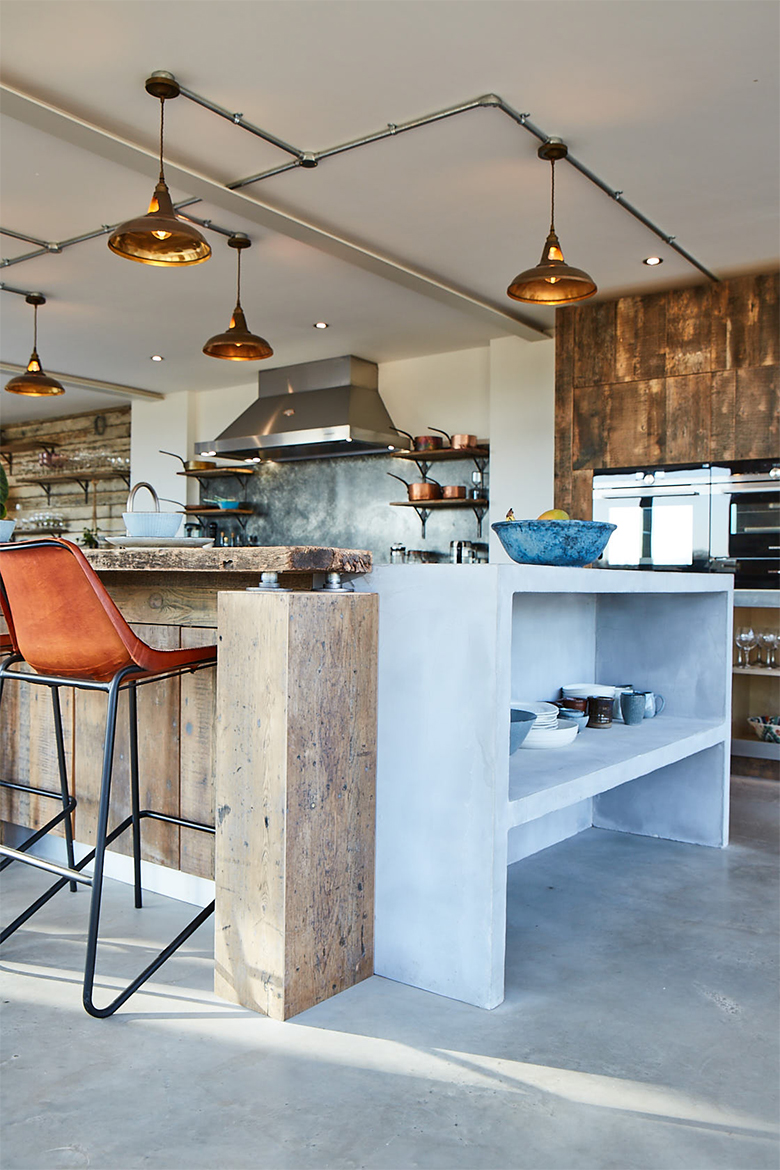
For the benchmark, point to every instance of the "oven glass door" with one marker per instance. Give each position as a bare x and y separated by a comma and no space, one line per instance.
656,531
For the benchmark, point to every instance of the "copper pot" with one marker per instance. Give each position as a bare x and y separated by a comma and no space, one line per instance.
191,464
458,442
422,442
428,489
453,492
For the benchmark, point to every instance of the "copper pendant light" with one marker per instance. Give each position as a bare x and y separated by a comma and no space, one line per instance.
237,344
160,237
33,381
552,281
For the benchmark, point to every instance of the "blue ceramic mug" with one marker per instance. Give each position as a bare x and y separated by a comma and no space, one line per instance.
632,707
654,703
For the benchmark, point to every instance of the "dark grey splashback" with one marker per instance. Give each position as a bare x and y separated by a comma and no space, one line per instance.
345,503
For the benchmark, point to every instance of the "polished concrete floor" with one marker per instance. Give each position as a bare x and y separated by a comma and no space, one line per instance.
640,1029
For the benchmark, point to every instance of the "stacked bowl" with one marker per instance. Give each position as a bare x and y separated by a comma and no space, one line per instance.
547,730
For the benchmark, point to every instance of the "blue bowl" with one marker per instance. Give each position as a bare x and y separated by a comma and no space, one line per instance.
554,542
521,723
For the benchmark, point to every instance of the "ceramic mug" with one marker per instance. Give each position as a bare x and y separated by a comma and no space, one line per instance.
654,703
600,712
632,707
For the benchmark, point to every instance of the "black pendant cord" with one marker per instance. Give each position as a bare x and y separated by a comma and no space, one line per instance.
162,124
238,281
552,196
35,329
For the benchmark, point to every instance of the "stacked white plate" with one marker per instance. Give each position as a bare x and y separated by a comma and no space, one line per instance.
561,734
546,713
586,690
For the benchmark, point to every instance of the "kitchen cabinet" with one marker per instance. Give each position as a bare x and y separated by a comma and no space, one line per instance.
756,690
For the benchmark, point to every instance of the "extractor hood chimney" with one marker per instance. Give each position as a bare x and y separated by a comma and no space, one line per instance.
314,410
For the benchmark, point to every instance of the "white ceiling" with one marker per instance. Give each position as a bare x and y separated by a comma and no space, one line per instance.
674,103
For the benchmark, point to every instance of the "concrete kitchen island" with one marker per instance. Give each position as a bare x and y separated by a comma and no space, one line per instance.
282,749
457,643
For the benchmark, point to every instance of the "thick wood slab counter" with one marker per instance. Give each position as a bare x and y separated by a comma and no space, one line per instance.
265,559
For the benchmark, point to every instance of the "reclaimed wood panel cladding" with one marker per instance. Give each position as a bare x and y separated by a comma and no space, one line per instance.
96,437
296,756
685,376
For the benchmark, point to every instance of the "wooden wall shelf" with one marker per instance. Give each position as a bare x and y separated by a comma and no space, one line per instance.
22,447
480,455
423,508
83,478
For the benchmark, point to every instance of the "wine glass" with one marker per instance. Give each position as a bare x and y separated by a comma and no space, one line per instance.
745,639
764,641
771,641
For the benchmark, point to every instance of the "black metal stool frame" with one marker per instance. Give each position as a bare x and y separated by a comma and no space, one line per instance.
128,676
64,796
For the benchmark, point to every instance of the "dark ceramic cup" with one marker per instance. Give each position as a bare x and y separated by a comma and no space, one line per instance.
600,711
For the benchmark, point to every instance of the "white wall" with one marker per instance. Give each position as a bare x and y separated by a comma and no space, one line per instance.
159,424
213,410
447,390
522,431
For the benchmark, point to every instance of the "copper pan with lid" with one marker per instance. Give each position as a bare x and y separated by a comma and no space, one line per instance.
458,442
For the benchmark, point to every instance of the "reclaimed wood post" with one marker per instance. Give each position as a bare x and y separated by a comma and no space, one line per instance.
295,797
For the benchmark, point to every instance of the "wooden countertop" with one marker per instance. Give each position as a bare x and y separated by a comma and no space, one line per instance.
252,559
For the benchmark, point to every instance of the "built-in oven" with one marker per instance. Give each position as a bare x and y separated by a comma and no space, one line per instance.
709,517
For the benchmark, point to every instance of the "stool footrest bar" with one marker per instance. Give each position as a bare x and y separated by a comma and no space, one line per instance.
62,871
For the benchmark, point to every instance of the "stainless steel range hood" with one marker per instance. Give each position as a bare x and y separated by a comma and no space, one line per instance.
313,410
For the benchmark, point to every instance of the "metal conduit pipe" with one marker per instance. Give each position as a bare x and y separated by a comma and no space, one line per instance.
22,236
395,128
239,183
20,292
106,229
522,119
617,196
310,159
238,120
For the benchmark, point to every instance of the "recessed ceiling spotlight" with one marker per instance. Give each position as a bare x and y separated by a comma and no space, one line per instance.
157,357
651,261
321,325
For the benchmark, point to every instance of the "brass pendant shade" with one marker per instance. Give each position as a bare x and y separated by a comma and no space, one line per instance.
160,237
237,344
552,281
34,382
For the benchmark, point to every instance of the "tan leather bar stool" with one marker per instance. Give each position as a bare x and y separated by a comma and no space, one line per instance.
64,625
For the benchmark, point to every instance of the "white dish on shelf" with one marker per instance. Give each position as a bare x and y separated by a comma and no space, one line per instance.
562,735
546,713
160,542
586,690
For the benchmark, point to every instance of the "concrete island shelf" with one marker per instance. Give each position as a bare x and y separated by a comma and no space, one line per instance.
457,645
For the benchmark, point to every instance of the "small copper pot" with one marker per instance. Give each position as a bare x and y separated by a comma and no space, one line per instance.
453,492
422,442
458,442
428,489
